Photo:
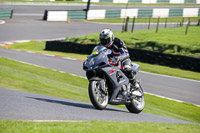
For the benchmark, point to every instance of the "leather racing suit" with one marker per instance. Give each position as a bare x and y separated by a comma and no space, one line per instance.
120,51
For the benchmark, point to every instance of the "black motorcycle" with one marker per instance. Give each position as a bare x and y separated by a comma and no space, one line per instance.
109,85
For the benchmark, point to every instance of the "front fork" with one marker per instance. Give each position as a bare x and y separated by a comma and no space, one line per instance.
103,87
136,90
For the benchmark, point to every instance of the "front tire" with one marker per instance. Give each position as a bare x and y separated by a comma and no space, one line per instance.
138,102
97,97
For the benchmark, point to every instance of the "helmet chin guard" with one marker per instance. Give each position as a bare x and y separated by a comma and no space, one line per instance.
106,37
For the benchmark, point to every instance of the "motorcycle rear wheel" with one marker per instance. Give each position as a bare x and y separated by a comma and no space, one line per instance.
137,103
97,97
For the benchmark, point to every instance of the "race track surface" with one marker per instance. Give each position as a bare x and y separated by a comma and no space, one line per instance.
18,105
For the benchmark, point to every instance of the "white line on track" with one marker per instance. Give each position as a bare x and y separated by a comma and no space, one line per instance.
2,22
48,55
13,42
30,52
68,58
170,76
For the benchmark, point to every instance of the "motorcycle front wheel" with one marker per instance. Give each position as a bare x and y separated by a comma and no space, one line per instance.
97,97
138,102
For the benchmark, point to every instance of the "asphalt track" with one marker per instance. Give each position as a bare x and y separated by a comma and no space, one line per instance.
18,105
34,28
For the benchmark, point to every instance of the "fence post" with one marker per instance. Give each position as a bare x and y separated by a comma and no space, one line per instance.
87,9
133,25
198,23
126,26
186,31
182,22
166,22
149,22
157,26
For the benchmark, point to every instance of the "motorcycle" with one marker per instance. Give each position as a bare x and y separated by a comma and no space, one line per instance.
109,85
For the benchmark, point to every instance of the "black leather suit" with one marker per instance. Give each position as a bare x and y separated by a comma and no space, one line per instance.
120,51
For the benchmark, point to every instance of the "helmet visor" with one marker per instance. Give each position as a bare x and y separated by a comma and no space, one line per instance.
105,42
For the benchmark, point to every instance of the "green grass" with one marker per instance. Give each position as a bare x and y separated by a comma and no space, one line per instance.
169,40
146,20
23,77
164,70
94,127
40,46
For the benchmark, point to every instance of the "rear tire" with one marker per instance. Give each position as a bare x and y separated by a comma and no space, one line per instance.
97,97
137,103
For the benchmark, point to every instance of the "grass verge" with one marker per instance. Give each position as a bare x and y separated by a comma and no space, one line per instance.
146,20
167,40
40,46
23,77
94,126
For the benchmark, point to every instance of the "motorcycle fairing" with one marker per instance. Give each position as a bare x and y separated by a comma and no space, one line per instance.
118,80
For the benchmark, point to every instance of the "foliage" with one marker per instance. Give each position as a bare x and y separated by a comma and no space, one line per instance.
94,126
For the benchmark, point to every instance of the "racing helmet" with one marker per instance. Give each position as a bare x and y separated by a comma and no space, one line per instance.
106,37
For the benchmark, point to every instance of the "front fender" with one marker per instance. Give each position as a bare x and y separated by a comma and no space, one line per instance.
95,79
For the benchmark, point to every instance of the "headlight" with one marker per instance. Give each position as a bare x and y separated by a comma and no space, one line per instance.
91,62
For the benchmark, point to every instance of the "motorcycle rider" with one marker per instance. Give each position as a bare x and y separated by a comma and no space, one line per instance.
119,52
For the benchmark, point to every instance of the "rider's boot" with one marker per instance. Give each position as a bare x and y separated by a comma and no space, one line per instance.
131,76
132,79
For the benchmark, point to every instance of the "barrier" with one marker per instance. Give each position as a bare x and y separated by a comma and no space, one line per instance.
57,16
145,13
163,13
135,1
53,15
176,13
129,13
122,13
113,14
190,12
163,1
177,61
149,1
96,14
6,13
76,15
